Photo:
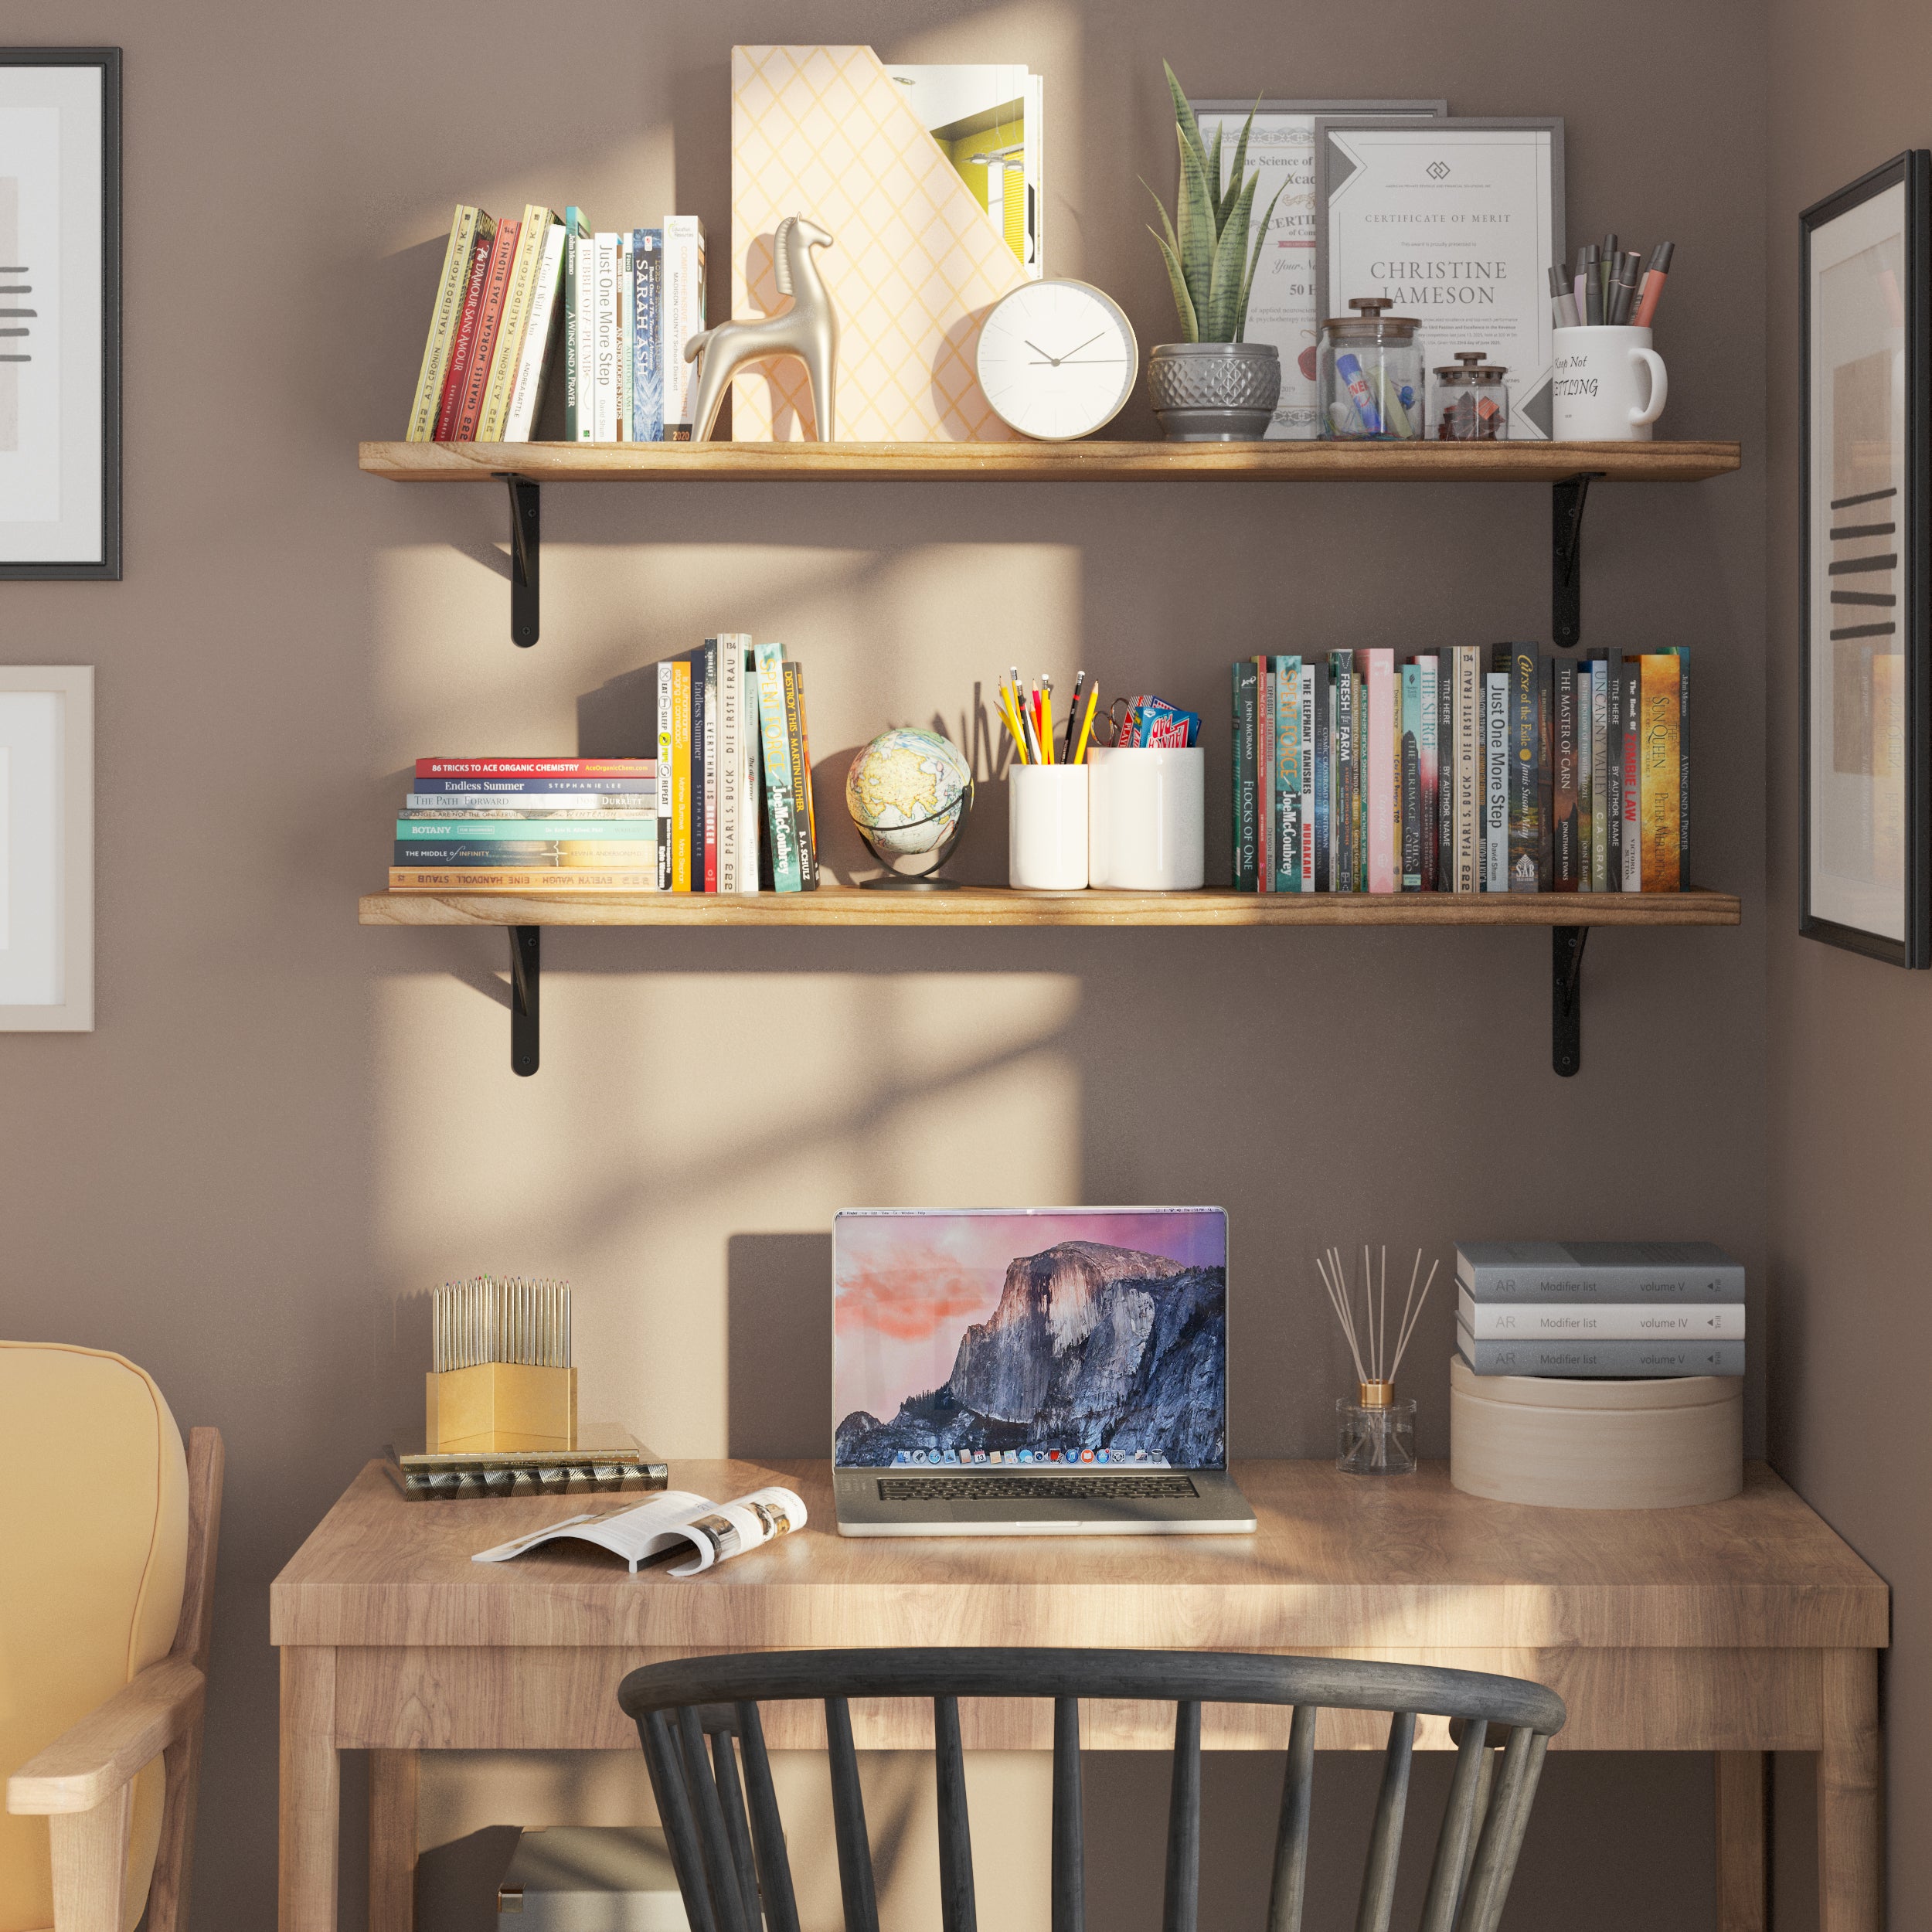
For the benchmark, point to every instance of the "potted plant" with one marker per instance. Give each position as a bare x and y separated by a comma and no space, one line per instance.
1212,385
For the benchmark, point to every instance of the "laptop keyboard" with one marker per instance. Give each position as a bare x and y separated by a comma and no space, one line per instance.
1029,1488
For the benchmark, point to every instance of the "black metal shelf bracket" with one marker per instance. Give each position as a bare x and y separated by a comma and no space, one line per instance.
526,554
1566,501
1566,945
526,989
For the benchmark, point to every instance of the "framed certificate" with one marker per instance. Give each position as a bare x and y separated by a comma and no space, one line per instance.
1866,358
46,849
1458,223
1281,306
60,312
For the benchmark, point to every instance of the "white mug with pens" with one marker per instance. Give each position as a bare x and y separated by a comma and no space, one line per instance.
1610,384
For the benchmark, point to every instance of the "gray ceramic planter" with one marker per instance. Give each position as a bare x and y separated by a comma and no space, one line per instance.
1214,392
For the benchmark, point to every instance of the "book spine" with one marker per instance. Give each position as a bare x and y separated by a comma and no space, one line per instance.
1409,819
667,766
575,421
1586,773
527,397
1245,854
807,810
751,864
700,771
513,879
1285,679
584,791
1343,827
489,320
1304,805
1614,772
1661,792
684,256
646,390
443,317
1565,854
1359,778
1496,797
507,357
730,758
1525,680
1471,698
1323,682
1433,689
1681,653
795,758
628,853
603,329
485,830
589,769
1445,664
1688,1322
1614,1283
712,767
1381,799
681,775
1264,805
1633,788
1586,1359
537,805
1545,777
785,876
464,351
627,330
1600,776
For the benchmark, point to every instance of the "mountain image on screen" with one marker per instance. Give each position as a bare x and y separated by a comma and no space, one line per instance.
1100,1346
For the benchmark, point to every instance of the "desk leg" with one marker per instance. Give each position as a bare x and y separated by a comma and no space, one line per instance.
391,1840
311,1792
1743,1793
1851,1867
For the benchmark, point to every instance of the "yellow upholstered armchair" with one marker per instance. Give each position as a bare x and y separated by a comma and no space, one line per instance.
107,1534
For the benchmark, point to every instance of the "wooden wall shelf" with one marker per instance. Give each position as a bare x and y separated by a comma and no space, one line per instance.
1089,462
1567,916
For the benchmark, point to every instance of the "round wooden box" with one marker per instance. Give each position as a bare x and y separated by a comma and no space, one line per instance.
1595,1445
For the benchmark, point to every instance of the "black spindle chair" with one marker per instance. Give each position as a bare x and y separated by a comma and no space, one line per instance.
727,1846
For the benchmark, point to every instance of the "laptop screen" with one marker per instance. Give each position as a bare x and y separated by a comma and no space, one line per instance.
1031,1338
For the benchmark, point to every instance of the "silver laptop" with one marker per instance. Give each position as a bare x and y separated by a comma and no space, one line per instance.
1037,1372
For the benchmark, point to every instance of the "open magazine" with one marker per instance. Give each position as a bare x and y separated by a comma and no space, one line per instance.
712,1531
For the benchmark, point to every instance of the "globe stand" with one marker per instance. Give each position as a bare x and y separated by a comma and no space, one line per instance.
891,882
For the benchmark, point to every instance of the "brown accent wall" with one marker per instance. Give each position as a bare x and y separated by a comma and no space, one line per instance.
1849,1041
286,1129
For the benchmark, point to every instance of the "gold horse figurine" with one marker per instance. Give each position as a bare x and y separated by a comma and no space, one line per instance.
808,329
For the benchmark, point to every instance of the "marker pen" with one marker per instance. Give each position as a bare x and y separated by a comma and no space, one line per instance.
1653,288
1623,290
1563,301
1592,286
1585,259
1606,267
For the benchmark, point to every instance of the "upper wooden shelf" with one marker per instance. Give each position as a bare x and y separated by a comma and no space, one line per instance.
1052,462
998,905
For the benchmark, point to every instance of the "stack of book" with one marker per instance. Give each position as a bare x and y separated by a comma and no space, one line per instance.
1627,1309
1508,769
617,307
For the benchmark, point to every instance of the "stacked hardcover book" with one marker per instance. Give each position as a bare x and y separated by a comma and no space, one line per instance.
1591,1309
617,307
1506,769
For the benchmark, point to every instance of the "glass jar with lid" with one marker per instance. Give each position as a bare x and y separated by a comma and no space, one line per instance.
1471,401
1370,375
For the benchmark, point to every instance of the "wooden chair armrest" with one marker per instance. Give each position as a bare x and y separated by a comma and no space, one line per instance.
87,1763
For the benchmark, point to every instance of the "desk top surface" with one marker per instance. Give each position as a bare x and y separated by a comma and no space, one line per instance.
1338,1561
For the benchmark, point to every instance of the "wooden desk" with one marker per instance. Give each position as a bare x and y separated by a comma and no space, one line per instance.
1737,1629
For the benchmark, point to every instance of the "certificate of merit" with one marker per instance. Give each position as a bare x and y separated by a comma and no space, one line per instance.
1456,223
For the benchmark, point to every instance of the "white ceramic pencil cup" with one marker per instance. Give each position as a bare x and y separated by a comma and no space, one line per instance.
1609,385
1046,828
1146,819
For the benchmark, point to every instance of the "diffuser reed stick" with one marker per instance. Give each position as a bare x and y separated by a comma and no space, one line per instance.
1377,1364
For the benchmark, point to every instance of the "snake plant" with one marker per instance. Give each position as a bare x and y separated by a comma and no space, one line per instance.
1210,264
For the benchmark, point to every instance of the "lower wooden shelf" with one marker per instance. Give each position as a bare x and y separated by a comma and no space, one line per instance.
1000,906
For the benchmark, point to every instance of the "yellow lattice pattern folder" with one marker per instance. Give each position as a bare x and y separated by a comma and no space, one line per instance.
823,132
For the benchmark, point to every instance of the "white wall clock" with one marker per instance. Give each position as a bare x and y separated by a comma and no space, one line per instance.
1057,360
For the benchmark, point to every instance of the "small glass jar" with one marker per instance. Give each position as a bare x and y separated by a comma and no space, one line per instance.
1472,400
1371,375
1376,1433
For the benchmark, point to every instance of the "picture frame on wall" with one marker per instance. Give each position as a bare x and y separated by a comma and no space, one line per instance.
60,312
1458,222
46,849
1866,681
1281,309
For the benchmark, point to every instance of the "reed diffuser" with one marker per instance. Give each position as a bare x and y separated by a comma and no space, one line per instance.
1376,1433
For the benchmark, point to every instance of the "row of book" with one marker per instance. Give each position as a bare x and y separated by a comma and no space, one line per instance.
1590,1309
619,306
1510,768
725,804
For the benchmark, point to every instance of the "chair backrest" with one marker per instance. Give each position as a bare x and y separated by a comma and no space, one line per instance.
94,1527
721,1823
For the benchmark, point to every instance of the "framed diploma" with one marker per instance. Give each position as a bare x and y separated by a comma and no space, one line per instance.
1866,687
46,849
60,312
1458,223
1281,306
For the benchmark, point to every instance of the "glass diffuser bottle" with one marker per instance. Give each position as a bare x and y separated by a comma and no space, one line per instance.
1376,1433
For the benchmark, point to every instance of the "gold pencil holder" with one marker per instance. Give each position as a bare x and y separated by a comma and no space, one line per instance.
499,1405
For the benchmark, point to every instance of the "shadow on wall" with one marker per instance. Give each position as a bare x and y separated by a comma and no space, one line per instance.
778,1346
456,1883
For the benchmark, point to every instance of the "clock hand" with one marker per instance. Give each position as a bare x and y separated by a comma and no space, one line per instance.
1078,346
1038,350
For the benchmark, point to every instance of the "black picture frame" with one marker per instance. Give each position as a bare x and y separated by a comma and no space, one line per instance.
104,566
1888,589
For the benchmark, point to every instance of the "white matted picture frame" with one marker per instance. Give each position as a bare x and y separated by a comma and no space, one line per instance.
60,312
47,848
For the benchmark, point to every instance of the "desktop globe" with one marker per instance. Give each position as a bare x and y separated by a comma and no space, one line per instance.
909,793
